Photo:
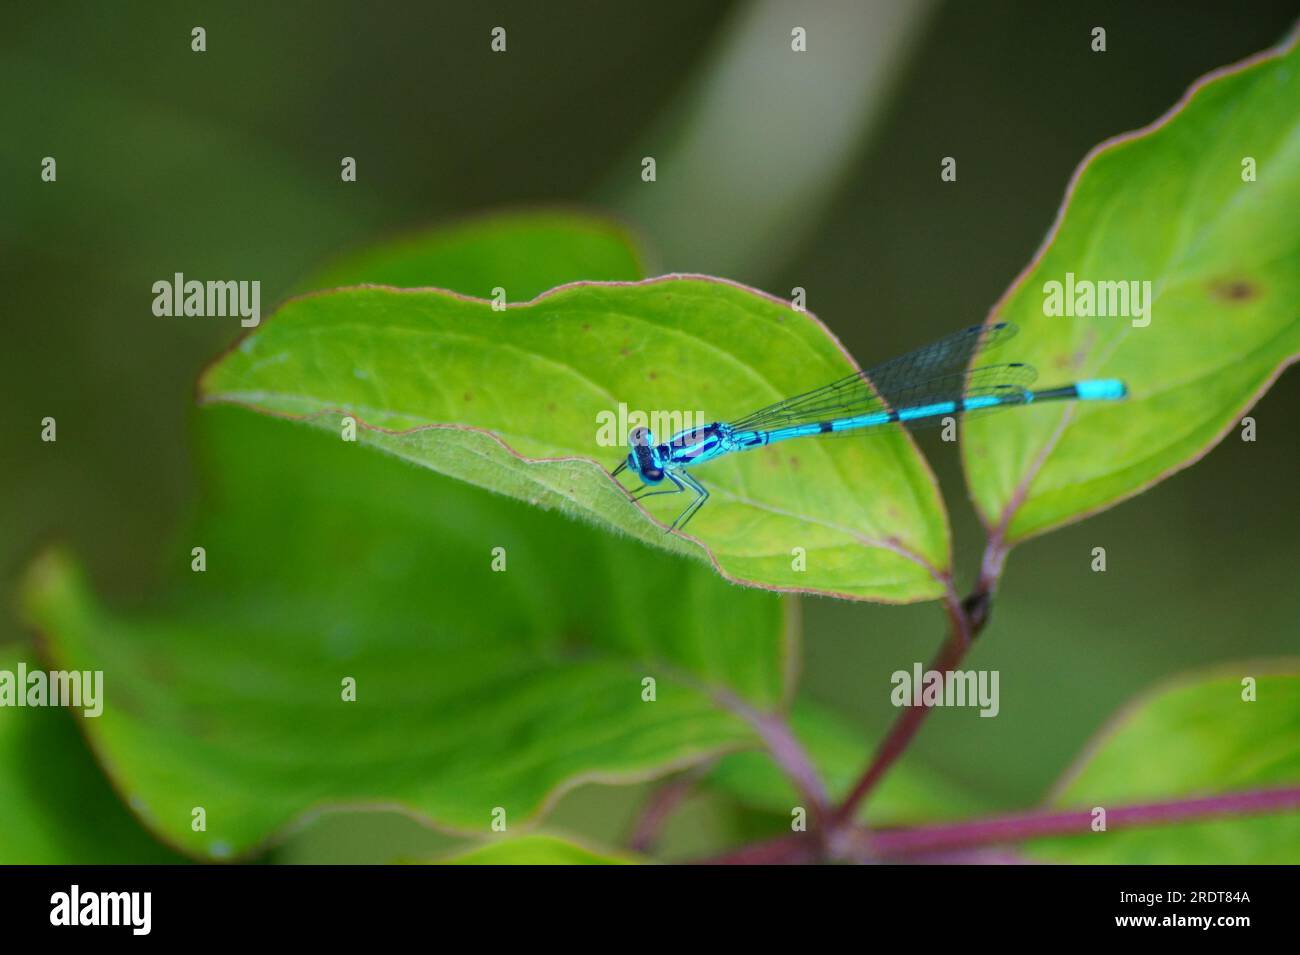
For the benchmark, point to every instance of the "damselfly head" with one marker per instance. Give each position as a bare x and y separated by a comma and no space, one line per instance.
642,458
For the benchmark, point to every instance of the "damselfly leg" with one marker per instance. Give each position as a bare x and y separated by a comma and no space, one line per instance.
681,480
701,495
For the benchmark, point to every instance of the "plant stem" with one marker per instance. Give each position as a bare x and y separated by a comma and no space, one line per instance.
910,718
786,751
927,843
799,848
1015,828
843,838
660,805
966,618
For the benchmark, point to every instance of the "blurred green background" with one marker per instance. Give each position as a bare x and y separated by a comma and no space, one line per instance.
820,172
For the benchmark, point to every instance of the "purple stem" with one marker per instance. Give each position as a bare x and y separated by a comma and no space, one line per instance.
660,805
786,751
909,719
946,841
891,843
798,848
966,618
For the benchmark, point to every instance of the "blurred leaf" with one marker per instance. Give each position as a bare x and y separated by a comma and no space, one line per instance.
1167,205
908,794
516,400
474,689
55,805
476,255
539,849
1192,738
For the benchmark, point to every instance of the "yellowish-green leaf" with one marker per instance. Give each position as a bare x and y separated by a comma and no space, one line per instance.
1196,737
1175,206
532,401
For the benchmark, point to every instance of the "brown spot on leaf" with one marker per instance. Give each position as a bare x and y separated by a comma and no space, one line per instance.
468,396
653,375
1234,290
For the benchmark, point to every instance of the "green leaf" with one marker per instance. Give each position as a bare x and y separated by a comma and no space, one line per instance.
908,794
1166,205
475,689
526,401
523,252
1196,737
539,849
56,806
